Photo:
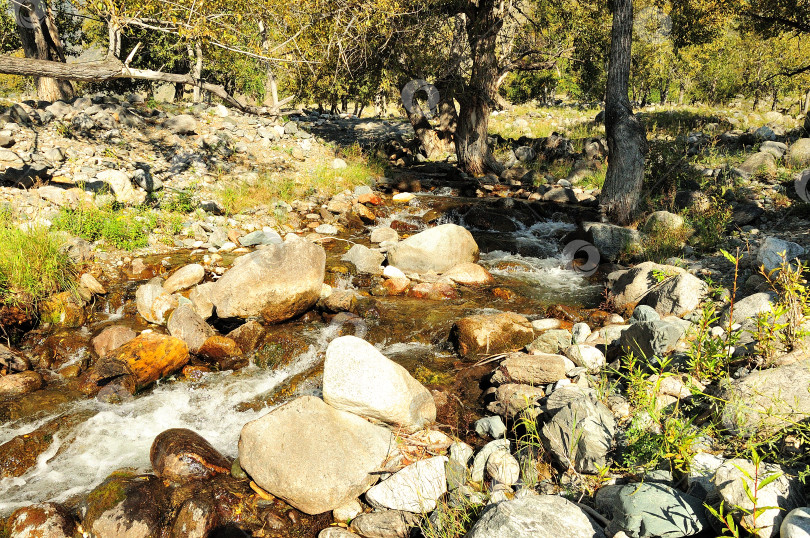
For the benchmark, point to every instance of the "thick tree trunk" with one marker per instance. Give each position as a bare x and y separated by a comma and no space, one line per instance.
436,142
627,140
483,22
40,40
196,70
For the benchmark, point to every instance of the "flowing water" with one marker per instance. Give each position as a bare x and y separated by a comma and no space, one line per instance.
96,438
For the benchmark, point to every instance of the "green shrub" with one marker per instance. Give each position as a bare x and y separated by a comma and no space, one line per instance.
124,230
32,266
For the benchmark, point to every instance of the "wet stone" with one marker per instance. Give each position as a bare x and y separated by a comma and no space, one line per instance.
126,505
44,520
179,454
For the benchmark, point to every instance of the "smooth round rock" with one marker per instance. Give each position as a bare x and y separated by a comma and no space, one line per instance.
179,454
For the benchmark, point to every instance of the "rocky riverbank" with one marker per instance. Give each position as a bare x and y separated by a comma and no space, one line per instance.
383,362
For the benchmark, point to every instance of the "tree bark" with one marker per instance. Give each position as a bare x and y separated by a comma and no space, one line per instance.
807,102
41,42
627,139
108,69
435,142
483,22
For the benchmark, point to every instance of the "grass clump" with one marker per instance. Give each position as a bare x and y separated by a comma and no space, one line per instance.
32,265
123,230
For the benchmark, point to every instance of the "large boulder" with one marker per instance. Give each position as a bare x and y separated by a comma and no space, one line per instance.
799,154
758,163
436,249
313,456
648,339
181,124
768,400
491,333
610,240
677,296
535,515
180,454
127,506
777,497
796,524
771,250
630,286
650,510
416,488
359,379
366,260
580,434
277,282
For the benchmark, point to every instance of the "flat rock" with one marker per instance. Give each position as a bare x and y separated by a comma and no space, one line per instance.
535,369
313,456
491,333
386,524
359,379
535,515
415,488
184,278
185,324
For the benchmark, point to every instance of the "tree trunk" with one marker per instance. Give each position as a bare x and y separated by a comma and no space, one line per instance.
40,40
807,102
482,24
272,91
627,140
196,70
108,69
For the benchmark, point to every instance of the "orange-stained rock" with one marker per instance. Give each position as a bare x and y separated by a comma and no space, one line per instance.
503,293
16,384
364,213
65,309
370,198
150,356
479,335
396,286
434,291
222,351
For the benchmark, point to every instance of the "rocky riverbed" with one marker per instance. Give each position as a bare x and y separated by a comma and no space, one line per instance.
387,361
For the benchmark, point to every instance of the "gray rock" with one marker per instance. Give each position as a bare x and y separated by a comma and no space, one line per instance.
59,109
277,282
461,452
181,124
525,154
758,163
490,426
503,468
628,287
146,181
770,250
648,339
648,510
663,221
313,456
579,333
768,400
512,398
586,356
611,240
536,515
553,342
747,308
386,524
365,259
185,324
153,303
644,313
677,296
480,461
700,479
777,149
799,155
436,249
796,524
415,488
765,133
580,435
119,184
359,379
327,229
260,237
780,496
535,369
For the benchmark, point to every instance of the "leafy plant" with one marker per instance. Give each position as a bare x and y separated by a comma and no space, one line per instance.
124,230
793,301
